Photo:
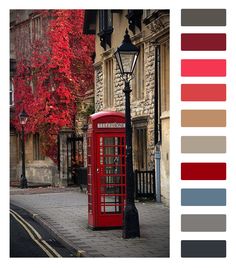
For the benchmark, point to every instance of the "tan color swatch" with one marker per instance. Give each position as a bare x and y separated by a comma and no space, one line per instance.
203,118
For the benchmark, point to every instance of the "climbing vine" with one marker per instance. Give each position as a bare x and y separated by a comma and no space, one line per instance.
53,76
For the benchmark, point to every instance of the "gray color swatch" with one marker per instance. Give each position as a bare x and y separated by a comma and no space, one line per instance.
203,223
203,17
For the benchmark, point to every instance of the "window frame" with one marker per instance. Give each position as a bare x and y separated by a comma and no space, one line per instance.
105,28
37,155
138,88
36,28
140,131
164,76
11,92
109,83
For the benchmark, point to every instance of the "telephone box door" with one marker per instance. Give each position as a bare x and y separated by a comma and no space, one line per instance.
110,179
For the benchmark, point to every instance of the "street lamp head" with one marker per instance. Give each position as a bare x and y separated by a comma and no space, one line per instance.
23,117
126,57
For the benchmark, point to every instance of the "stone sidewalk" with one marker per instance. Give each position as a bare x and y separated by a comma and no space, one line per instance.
64,212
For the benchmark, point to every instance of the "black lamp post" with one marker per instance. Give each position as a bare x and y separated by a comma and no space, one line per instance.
126,56
23,117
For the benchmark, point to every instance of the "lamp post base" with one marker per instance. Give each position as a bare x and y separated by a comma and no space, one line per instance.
23,182
131,222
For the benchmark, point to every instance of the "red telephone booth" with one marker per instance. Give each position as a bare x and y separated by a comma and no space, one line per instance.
106,169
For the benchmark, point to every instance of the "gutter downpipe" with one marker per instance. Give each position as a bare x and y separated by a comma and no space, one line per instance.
157,105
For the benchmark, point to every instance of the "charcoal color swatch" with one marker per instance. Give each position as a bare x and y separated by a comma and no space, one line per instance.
203,17
203,248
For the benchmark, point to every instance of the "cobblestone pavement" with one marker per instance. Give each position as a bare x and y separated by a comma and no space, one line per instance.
64,212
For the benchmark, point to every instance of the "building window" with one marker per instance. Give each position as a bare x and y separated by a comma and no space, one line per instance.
164,63
149,14
108,87
36,148
36,28
11,93
140,143
105,20
33,84
138,85
105,28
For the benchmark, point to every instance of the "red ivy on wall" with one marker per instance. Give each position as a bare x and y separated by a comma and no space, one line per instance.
53,76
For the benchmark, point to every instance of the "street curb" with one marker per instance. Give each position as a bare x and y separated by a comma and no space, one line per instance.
61,238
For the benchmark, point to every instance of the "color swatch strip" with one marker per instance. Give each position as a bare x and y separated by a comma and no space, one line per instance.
203,92
203,223
193,68
203,248
203,144
203,197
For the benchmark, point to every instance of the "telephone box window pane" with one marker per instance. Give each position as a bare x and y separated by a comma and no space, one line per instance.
110,150
112,160
108,200
112,170
112,209
109,141
111,204
111,189
113,180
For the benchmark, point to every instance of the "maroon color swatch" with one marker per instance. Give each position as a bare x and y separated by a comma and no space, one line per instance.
208,42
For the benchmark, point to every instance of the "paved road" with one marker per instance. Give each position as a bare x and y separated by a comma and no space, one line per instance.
29,239
65,214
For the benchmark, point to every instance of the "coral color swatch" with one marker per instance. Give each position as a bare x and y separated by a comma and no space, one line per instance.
203,92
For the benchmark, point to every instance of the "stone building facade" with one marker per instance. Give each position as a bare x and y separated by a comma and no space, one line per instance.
149,30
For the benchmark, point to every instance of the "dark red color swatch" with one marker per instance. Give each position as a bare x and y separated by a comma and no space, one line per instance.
203,42
203,67
203,171
203,92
